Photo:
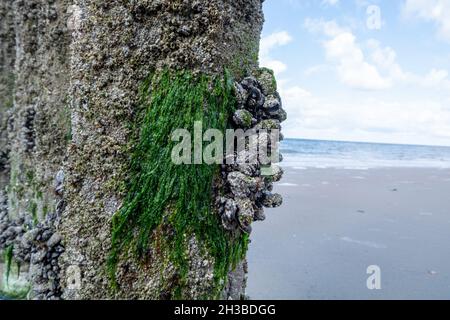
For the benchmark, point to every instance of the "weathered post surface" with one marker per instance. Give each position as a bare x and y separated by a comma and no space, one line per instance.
91,91
7,56
37,130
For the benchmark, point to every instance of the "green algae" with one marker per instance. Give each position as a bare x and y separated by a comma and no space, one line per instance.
8,261
15,294
170,197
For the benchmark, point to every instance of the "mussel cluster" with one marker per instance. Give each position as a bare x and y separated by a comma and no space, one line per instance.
248,183
28,131
36,245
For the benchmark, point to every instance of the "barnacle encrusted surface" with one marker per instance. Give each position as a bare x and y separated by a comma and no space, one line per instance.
116,45
70,131
248,188
172,204
169,196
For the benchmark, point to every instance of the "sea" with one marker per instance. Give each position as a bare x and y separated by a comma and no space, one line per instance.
303,154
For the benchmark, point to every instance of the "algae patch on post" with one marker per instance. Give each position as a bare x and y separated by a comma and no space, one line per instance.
177,198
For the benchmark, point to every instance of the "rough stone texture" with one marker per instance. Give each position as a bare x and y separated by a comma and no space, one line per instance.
37,127
237,282
7,58
115,46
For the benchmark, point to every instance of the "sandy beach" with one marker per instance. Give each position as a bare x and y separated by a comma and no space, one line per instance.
336,222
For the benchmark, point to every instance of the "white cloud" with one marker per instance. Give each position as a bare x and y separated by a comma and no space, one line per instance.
369,65
317,69
437,11
330,2
308,3
385,58
360,116
342,50
435,78
270,42
365,119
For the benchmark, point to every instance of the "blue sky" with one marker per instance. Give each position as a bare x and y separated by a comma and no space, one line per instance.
344,74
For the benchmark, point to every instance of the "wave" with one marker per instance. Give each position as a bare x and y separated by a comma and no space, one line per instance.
354,155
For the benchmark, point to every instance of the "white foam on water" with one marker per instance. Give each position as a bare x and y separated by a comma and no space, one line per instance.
286,184
364,243
306,154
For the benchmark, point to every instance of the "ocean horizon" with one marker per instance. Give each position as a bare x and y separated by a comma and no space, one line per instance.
348,206
304,153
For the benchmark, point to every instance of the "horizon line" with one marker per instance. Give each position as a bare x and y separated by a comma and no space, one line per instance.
371,142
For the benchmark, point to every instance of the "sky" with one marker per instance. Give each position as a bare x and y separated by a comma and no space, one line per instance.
358,70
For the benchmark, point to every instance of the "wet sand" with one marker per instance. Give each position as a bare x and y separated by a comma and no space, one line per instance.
335,223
